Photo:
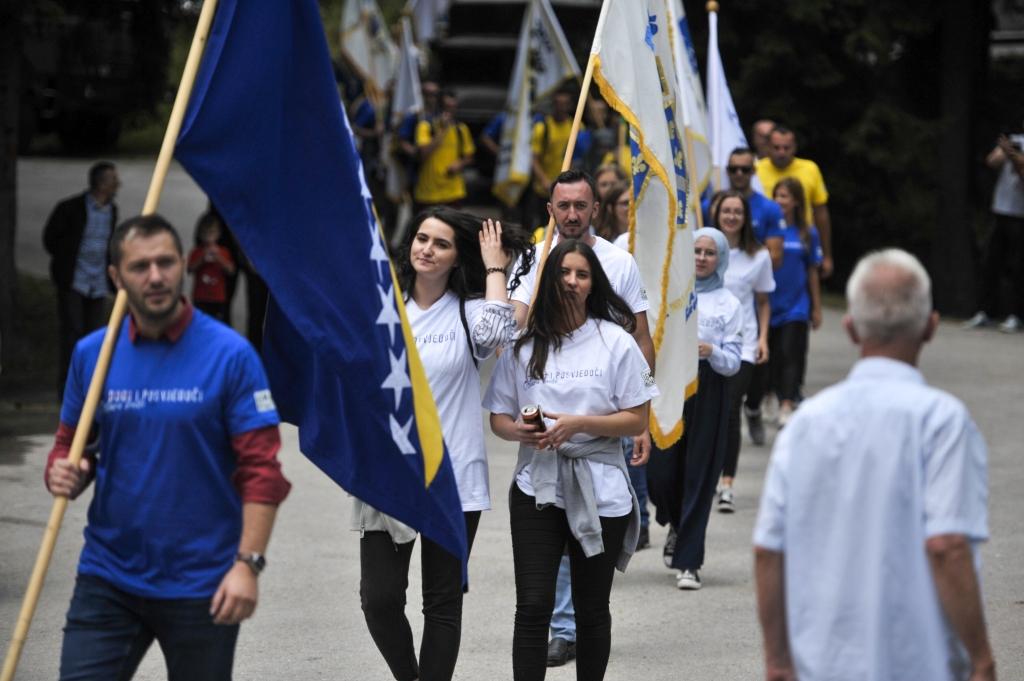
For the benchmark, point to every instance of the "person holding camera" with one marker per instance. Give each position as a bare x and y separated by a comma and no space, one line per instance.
1005,250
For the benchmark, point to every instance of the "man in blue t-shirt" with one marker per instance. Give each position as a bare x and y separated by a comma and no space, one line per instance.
186,471
765,214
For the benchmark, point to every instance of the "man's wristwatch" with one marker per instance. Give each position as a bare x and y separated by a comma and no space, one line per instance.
255,561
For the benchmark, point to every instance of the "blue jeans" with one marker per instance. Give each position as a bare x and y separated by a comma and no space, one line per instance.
108,631
563,617
637,478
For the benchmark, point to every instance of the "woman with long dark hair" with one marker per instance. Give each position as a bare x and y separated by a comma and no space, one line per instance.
576,361
453,275
613,215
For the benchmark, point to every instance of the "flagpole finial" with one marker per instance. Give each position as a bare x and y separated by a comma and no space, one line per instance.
712,6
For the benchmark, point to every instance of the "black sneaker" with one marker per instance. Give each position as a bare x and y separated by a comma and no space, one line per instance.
560,651
644,540
755,426
670,547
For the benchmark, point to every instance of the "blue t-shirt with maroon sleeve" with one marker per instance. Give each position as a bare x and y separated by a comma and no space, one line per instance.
165,519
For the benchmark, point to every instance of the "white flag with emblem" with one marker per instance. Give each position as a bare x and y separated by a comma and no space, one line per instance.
635,70
544,61
407,99
368,46
425,14
691,100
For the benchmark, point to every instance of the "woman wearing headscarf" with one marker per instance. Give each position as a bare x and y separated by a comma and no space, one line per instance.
682,479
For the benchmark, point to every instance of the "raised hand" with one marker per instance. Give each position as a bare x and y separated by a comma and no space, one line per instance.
491,250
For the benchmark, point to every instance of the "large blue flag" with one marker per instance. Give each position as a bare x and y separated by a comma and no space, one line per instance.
266,138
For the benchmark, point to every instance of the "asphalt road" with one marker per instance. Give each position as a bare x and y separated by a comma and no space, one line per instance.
309,626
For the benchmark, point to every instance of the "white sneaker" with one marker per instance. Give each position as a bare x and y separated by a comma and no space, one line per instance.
1012,324
688,580
769,408
979,320
785,414
725,501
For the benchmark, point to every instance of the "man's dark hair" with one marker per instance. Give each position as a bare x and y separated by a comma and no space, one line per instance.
742,150
567,91
448,93
96,172
572,177
141,225
782,130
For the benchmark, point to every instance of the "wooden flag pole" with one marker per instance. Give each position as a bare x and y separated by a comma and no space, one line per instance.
99,375
549,235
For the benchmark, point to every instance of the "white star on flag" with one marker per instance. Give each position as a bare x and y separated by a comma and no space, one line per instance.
397,380
377,252
388,313
400,434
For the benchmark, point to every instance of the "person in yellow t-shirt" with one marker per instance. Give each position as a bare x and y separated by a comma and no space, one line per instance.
548,142
782,162
446,148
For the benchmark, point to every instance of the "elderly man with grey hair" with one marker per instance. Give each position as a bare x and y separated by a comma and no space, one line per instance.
875,502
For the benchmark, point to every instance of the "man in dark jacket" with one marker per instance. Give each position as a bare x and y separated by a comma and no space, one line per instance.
76,237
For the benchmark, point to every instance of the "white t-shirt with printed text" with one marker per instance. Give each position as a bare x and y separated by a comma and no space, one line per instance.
599,370
455,382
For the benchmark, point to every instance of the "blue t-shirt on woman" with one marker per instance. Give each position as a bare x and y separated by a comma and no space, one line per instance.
791,299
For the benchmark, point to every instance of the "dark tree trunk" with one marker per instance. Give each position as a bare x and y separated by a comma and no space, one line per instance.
964,51
10,96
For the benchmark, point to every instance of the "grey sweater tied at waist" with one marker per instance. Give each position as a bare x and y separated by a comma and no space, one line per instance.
569,463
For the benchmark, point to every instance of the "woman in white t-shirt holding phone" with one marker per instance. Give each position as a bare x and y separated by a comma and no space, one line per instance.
453,276
577,361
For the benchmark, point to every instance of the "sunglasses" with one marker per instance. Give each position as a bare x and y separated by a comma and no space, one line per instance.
746,170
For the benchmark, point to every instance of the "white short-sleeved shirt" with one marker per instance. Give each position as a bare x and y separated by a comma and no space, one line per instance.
864,473
618,265
745,276
455,382
720,324
598,370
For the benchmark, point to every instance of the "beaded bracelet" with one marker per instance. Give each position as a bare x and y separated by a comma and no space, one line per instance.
492,270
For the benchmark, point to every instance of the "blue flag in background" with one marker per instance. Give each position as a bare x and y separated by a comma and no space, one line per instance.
266,138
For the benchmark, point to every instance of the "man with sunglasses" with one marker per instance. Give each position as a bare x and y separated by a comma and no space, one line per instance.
765,214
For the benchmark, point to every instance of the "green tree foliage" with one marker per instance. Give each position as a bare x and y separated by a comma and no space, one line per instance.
861,83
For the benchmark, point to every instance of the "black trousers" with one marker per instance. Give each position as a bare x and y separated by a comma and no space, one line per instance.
681,480
1004,256
787,346
738,386
538,540
77,316
759,379
384,578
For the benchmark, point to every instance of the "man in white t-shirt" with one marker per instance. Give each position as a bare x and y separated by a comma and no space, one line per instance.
573,206
875,502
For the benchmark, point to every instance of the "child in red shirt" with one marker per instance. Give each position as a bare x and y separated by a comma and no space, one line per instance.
210,266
